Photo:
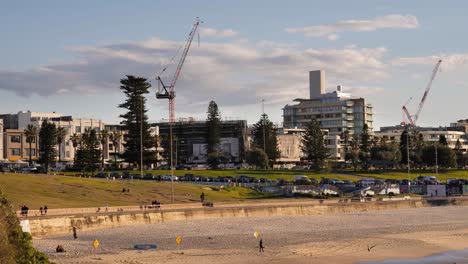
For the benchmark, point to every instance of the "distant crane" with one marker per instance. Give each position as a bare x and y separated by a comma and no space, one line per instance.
167,92
414,119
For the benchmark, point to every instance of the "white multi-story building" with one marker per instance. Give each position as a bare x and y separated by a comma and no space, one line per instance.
430,134
289,144
336,111
72,126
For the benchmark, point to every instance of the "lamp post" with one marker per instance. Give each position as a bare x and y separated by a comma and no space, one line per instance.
172,162
436,160
141,136
263,124
408,160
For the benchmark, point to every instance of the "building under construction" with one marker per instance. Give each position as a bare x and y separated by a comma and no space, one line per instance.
190,137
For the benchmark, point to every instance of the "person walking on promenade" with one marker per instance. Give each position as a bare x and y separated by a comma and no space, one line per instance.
260,246
45,209
42,211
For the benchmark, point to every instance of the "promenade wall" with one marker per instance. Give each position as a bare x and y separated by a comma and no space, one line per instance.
41,226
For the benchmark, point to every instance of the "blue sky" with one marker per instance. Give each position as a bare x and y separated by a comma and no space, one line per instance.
68,56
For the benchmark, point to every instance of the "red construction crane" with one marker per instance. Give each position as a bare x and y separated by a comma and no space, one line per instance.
167,92
413,120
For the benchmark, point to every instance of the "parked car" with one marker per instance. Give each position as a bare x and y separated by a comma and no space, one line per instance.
168,177
29,170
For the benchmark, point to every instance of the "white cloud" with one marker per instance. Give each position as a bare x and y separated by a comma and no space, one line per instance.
212,32
234,74
333,37
382,22
450,62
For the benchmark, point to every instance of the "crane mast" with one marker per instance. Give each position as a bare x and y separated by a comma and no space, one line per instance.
167,92
412,121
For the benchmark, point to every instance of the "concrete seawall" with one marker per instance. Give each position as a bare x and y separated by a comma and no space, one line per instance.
54,225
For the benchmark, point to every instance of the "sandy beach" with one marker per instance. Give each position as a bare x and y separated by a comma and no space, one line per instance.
333,238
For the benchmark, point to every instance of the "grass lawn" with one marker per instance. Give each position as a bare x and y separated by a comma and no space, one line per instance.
442,176
67,192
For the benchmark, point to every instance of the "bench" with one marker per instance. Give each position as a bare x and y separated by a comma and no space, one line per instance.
207,204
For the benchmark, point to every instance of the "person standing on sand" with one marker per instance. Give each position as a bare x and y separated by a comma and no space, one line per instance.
74,233
45,209
202,197
260,246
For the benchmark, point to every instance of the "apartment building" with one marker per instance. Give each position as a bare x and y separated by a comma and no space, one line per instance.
15,124
16,148
114,151
430,134
336,111
289,144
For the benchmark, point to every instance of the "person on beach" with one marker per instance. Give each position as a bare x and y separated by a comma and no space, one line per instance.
42,211
45,209
260,246
202,197
75,236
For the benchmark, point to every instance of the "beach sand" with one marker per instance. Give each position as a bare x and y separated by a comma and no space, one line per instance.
333,238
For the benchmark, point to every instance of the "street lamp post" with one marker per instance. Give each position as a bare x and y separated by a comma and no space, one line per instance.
408,160
172,162
141,137
263,124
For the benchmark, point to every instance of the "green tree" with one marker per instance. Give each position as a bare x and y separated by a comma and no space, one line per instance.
76,140
459,154
445,156
116,137
257,157
345,137
15,245
47,143
405,143
386,153
364,147
31,136
89,152
313,144
213,135
443,140
213,160
61,133
353,154
135,120
104,143
265,138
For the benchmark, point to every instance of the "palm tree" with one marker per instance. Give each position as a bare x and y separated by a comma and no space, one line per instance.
116,137
76,140
104,137
31,134
61,133
157,143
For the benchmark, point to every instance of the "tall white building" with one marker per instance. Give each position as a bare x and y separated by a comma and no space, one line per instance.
336,111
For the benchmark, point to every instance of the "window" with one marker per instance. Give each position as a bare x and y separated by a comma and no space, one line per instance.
15,152
15,139
32,151
77,129
67,154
